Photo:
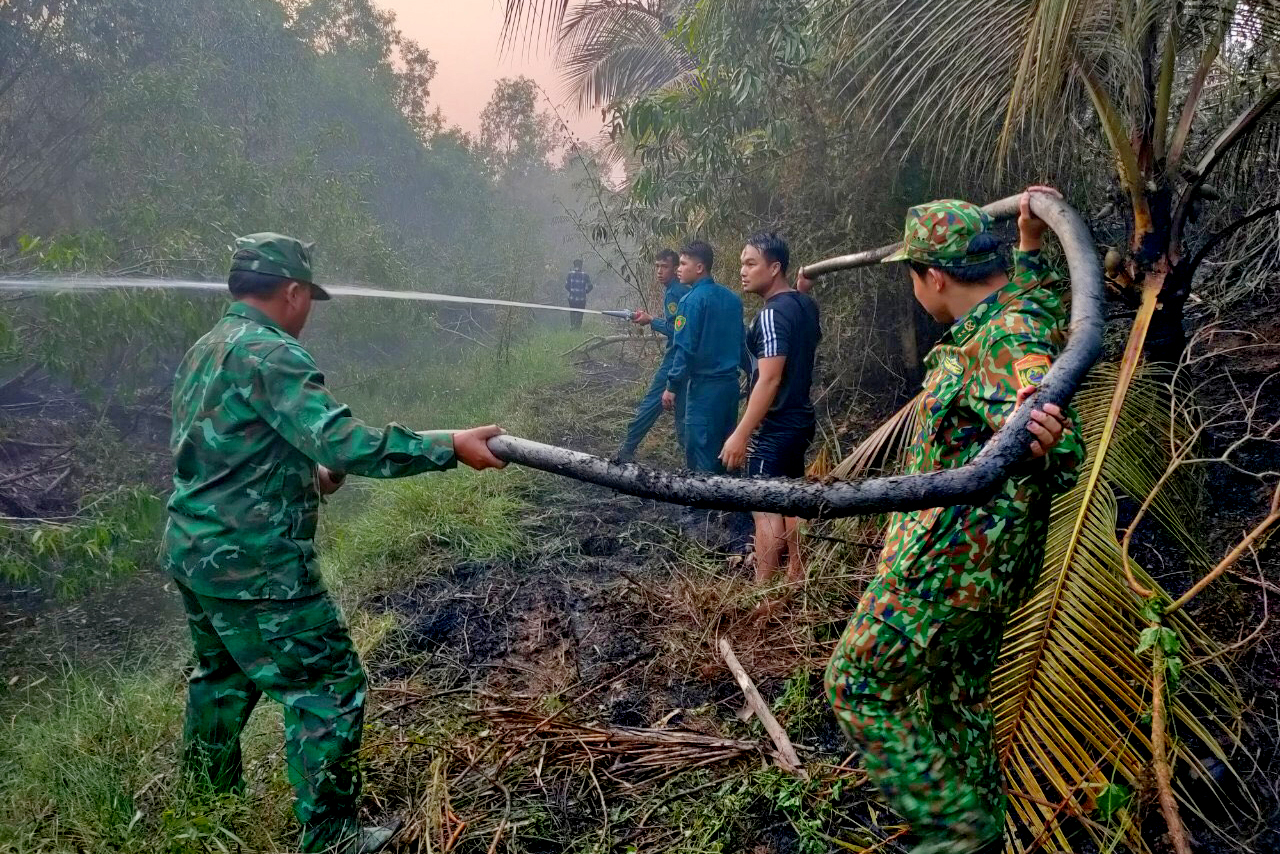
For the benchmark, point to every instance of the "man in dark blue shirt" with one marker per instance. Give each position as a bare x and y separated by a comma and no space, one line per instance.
578,284
651,406
709,345
778,426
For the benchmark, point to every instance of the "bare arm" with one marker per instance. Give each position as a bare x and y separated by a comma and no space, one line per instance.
734,453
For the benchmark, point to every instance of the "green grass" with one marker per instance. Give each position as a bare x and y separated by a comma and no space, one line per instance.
90,765
418,525
117,534
380,534
479,389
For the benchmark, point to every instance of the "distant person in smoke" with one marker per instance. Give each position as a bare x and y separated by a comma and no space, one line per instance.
778,425
673,290
578,285
257,439
708,354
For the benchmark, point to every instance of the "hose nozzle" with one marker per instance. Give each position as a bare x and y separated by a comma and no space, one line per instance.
620,313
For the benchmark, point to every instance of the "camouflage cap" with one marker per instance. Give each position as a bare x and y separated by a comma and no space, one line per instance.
277,255
941,234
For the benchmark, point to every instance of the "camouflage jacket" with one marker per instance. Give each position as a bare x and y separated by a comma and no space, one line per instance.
978,557
251,419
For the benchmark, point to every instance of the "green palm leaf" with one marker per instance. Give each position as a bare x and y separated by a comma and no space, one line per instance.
976,76
613,50
1070,694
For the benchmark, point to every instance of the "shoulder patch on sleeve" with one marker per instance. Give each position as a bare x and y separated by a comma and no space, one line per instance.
679,322
672,307
1031,369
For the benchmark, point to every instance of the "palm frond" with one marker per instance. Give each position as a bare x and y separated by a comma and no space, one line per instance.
902,66
611,50
1070,694
885,447
532,20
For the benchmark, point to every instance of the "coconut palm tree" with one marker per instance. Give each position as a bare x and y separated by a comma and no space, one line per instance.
1175,92
1179,90
608,50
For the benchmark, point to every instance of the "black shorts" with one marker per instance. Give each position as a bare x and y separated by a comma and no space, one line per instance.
779,452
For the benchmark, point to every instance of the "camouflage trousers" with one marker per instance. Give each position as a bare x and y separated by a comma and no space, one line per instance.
298,653
915,706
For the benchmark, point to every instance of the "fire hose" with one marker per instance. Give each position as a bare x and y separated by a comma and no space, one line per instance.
972,483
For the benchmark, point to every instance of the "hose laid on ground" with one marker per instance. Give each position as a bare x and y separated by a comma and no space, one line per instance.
969,484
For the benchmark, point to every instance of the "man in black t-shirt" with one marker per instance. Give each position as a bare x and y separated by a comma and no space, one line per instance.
775,431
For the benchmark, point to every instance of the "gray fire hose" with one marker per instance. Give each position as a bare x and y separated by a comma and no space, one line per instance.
969,484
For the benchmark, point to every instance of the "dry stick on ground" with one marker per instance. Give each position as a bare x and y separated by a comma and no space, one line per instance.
599,341
1181,454
40,468
786,752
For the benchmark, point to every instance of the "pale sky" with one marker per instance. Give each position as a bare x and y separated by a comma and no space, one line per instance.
462,37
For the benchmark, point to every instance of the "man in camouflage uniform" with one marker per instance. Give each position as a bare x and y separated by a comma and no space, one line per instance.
257,439
931,621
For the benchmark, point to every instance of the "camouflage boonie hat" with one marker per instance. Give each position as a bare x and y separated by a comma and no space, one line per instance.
277,255
940,233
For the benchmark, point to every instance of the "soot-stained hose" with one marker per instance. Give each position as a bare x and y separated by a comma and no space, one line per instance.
968,484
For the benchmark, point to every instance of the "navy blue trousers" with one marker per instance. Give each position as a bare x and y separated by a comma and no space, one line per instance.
651,407
710,415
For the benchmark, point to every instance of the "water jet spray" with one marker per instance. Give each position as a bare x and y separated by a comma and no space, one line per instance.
59,284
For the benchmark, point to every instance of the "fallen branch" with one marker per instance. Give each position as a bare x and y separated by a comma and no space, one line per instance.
786,752
18,380
43,466
597,341
57,481
1232,557
1160,756
637,750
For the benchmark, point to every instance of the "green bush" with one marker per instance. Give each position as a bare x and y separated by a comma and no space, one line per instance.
118,534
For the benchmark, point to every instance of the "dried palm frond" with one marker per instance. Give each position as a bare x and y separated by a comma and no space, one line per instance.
1070,694
881,452
639,752
884,448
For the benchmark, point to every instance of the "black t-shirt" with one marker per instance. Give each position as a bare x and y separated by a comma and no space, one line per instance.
788,325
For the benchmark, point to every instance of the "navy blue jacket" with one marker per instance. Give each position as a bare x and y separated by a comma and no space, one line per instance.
709,338
665,325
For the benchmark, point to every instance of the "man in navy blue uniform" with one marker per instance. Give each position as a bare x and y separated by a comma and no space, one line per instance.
578,285
709,348
673,290
778,426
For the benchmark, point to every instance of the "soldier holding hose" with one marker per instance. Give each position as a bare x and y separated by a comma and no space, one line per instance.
931,622
257,439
